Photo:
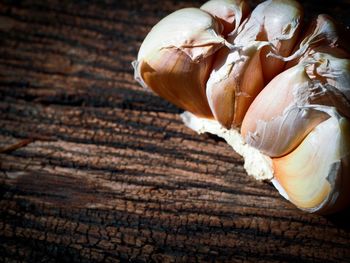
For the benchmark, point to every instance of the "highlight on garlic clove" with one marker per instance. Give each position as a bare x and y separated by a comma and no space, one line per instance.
175,59
316,178
230,13
286,110
240,73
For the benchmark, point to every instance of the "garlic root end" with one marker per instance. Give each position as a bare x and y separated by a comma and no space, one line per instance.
256,164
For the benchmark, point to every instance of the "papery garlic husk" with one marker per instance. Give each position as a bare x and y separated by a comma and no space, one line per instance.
322,35
287,109
315,176
175,58
229,13
240,73
282,25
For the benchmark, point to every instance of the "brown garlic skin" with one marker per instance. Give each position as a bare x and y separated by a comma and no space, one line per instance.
289,93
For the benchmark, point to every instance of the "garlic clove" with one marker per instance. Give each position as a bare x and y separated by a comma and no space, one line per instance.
281,27
191,30
175,58
278,120
230,13
231,89
221,99
279,23
314,177
287,109
181,84
238,73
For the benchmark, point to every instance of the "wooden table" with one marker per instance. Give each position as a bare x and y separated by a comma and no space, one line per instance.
95,168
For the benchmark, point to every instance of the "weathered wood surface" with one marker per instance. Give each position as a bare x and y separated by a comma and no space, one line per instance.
96,169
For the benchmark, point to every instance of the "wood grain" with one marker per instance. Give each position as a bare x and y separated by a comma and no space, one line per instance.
96,169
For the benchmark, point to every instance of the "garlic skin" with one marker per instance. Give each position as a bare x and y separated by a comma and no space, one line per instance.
235,81
322,35
240,73
287,109
229,13
279,118
279,23
314,177
176,56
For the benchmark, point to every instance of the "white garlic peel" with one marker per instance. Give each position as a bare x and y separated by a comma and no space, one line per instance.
174,32
229,12
218,68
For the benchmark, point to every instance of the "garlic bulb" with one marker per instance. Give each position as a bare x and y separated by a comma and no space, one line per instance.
240,73
279,98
